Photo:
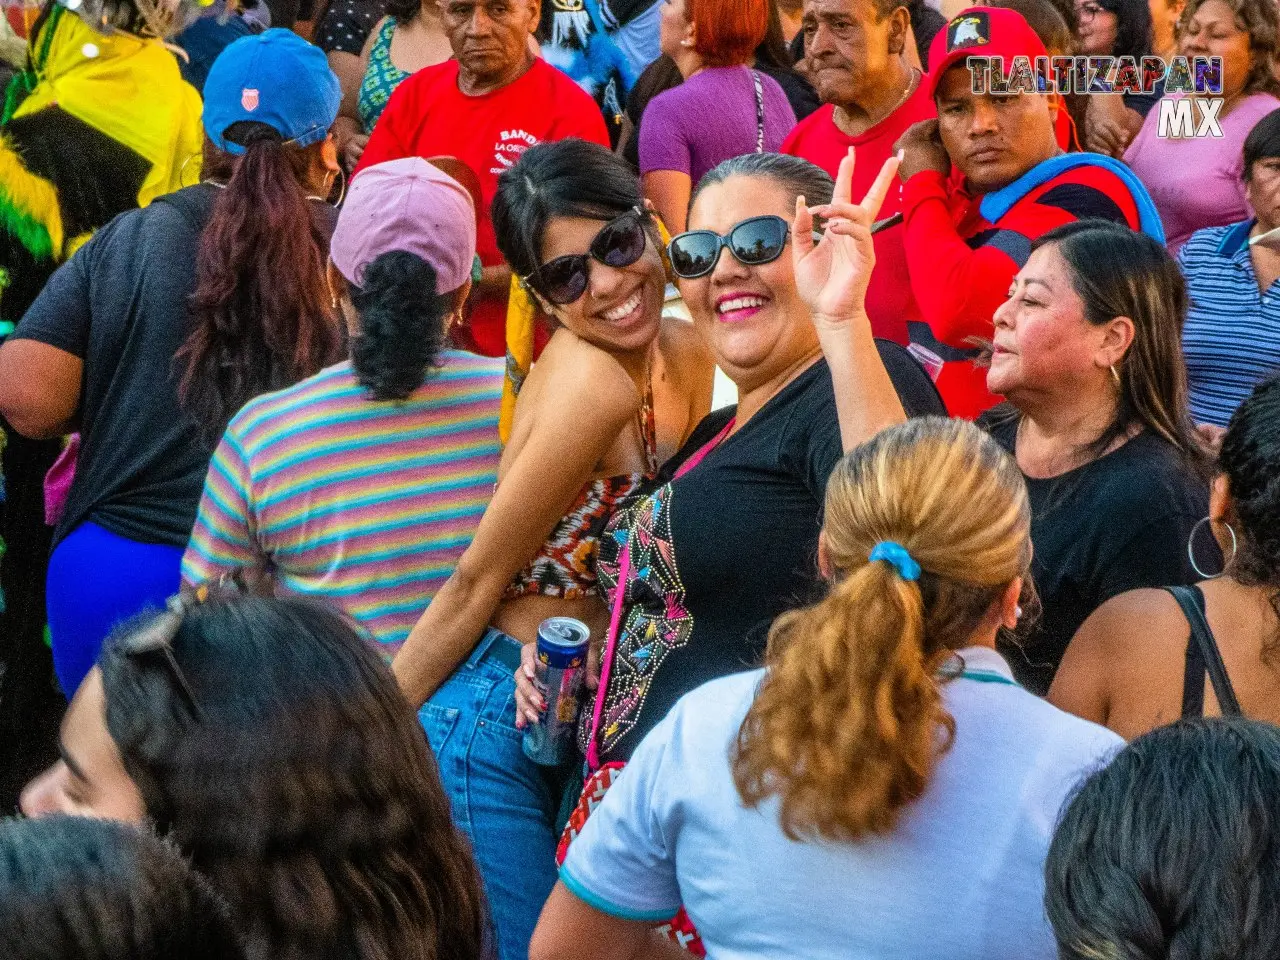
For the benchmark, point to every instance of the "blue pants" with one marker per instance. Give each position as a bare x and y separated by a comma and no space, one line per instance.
97,580
505,803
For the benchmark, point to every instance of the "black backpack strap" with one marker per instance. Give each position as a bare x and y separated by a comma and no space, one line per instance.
1202,657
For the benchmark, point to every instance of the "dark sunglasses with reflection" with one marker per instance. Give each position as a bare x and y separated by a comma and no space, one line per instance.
620,243
754,242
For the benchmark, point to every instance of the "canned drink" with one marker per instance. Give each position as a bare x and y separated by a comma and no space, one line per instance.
559,674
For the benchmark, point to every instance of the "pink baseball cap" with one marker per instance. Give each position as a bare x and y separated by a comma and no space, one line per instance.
408,205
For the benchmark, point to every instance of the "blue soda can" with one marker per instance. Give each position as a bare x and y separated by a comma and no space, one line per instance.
559,674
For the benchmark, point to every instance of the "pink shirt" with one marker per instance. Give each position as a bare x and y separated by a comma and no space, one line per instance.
1196,182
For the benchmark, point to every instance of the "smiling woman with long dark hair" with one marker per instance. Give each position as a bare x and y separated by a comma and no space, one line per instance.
169,320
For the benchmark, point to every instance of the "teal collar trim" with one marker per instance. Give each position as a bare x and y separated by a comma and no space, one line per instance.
982,676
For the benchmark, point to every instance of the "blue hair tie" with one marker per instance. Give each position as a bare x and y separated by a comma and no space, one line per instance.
896,554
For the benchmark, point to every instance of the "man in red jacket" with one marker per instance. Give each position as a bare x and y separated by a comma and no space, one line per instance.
485,107
968,231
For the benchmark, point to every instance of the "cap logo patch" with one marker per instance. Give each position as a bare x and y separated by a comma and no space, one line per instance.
249,99
971,30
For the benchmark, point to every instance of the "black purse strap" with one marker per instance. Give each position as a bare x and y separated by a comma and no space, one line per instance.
1202,656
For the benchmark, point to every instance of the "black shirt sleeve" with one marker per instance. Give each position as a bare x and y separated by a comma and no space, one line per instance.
60,315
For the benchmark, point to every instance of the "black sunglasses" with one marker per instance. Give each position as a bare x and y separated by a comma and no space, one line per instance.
620,243
754,242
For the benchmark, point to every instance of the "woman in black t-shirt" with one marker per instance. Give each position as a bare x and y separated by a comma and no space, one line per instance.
1088,352
157,330
726,539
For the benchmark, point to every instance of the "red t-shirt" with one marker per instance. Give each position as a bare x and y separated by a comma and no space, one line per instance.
890,304
428,116
962,266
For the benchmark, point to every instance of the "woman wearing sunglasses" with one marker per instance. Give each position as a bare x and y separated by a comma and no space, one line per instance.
616,391
726,538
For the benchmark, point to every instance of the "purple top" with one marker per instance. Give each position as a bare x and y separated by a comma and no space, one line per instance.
709,118
1196,183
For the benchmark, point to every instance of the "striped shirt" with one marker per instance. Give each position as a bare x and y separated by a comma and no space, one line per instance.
1231,339
365,503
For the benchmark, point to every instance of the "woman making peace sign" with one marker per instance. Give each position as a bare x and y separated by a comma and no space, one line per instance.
844,740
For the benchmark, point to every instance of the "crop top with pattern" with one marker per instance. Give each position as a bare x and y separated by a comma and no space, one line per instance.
565,566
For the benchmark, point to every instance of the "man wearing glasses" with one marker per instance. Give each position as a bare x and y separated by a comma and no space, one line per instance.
485,107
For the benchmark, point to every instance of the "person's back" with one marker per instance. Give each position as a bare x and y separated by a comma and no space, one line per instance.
957,878
368,502
884,772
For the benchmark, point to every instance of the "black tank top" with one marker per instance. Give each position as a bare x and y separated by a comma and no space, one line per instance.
1202,657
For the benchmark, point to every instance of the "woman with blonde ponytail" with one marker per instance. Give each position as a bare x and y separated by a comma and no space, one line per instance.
883,787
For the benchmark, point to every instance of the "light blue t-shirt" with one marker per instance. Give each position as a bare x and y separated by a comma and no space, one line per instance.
960,878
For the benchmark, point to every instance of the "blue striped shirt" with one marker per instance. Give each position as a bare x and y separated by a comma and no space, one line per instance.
1231,340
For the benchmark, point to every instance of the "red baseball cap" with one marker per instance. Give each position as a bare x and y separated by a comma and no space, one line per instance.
982,32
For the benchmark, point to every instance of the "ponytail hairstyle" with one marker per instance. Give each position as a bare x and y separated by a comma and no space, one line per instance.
261,314
849,723
402,326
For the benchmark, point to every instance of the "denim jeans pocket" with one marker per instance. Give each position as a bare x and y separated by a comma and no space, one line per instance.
439,723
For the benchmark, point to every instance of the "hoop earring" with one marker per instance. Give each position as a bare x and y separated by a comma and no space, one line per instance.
1191,539
342,194
1115,376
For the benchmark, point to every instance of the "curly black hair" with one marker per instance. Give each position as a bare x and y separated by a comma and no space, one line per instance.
74,888
1173,850
299,782
402,326
1250,458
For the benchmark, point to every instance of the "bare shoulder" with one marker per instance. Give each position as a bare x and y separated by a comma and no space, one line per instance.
685,353
681,344
1133,627
573,374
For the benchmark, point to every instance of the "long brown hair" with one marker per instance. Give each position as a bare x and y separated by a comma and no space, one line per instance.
261,314
1261,20
297,779
849,722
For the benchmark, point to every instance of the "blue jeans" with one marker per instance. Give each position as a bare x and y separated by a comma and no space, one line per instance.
505,803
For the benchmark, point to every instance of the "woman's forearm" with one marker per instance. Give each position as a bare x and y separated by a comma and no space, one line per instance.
866,400
444,635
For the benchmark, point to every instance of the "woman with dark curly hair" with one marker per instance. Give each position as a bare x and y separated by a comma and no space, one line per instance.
1173,850
82,888
390,456
273,746
1147,657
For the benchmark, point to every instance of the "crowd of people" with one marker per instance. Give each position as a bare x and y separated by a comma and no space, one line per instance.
909,450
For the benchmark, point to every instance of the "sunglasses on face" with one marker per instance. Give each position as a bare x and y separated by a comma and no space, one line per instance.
620,243
753,242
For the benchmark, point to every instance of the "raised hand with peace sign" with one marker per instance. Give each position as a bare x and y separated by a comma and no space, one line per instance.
832,274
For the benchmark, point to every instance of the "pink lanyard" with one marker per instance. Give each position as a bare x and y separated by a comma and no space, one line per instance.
619,601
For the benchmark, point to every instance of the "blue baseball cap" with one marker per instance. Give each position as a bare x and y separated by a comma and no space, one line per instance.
274,77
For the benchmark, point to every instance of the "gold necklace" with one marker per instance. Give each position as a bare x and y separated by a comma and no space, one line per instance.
912,84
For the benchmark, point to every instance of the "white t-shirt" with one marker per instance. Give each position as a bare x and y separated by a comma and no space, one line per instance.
960,877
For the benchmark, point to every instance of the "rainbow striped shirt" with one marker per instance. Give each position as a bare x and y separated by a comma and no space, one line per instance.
365,503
